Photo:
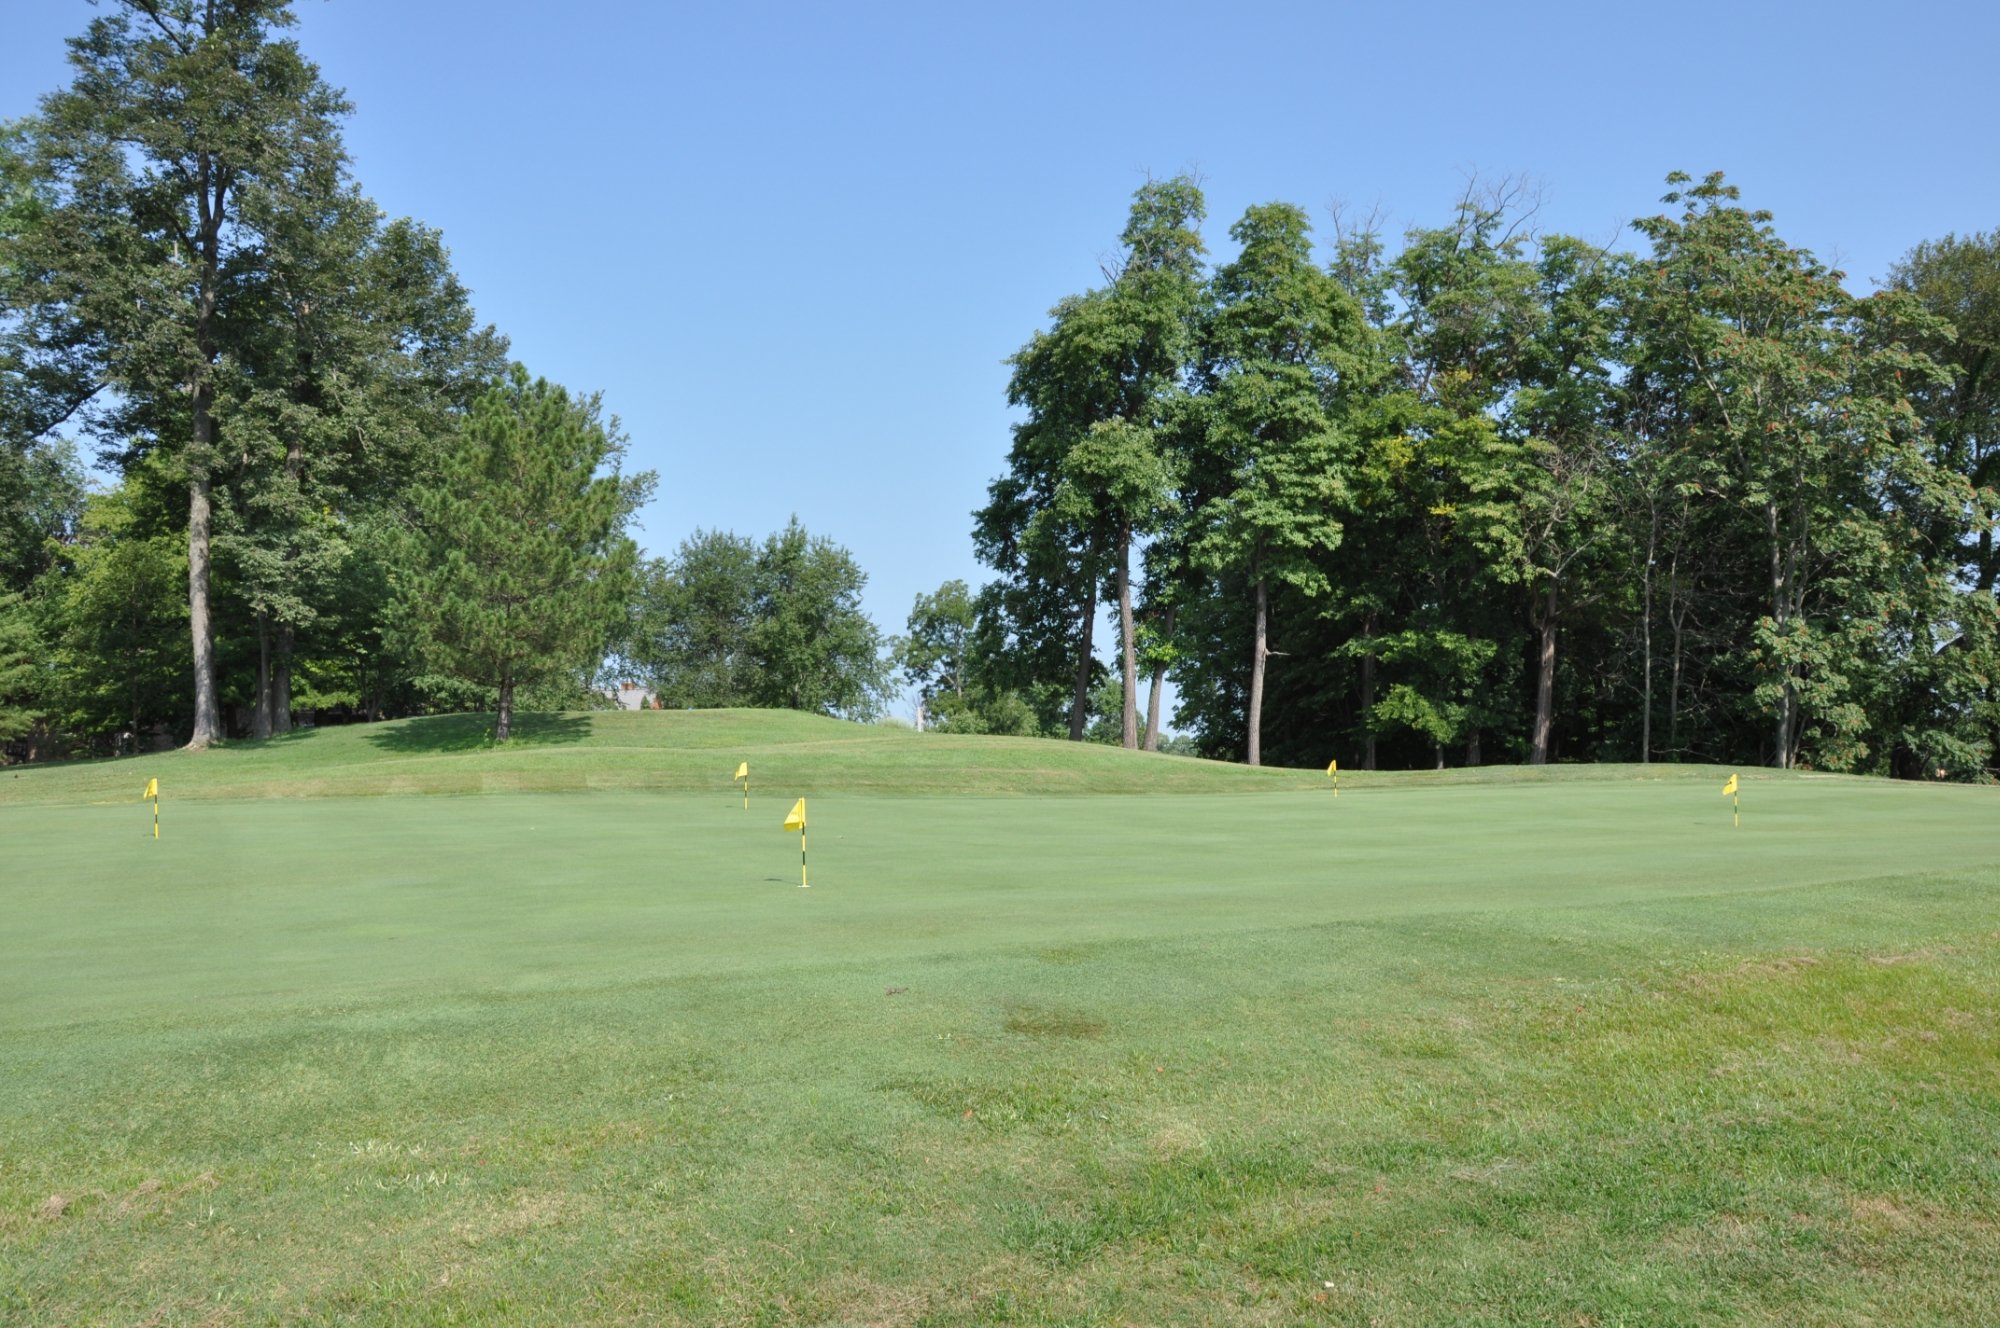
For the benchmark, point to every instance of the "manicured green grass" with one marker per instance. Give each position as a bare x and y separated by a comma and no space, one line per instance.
1531,1050
662,751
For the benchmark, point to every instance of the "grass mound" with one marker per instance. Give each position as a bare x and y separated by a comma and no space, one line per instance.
690,751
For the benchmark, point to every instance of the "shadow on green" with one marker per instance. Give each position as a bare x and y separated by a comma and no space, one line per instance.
465,733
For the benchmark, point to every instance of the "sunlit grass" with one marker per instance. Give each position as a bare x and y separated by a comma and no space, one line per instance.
1491,1053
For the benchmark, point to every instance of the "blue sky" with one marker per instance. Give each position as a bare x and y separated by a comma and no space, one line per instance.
794,244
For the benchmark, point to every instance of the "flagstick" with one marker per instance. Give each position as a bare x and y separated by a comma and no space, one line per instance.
803,884
1735,811
156,816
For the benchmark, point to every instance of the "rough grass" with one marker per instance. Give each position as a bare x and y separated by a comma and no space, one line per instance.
1506,1053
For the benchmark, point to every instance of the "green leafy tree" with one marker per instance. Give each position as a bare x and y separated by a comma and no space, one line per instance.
1950,717
190,129
693,622
1438,698
521,573
1119,473
20,670
41,499
1801,425
814,647
935,654
114,618
1470,312
1956,280
1538,500
1088,472
1283,334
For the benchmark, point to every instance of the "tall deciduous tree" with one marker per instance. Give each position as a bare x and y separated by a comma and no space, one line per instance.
1282,334
1956,280
695,613
936,654
189,128
1545,488
815,649
731,622
1797,421
1113,360
522,570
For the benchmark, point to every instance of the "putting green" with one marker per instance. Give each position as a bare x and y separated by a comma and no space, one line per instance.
1497,1047
335,900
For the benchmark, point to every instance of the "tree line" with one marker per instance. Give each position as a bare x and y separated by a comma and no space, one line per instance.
1498,495
1480,494
334,493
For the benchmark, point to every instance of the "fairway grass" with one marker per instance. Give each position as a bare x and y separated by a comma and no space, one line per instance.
1504,1052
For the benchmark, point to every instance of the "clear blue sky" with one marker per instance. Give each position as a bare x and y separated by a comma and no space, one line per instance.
794,244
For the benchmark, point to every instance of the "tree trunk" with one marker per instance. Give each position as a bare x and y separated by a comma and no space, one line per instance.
1646,649
1368,700
281,680
260,724
1782,757
1079,708
207,714
1472,748
505,724
1159,681
281,683
1545,683
1129,720
1254,721
1674,690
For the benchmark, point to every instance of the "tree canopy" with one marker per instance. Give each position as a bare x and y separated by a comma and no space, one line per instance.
523,569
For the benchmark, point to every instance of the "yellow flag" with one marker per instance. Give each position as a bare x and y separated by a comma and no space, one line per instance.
1730,787
1333,767
152,790
796,818
743,771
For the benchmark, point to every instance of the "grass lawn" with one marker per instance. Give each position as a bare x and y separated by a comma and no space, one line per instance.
1058,1035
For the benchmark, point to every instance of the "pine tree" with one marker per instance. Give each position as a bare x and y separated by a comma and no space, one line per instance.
521,571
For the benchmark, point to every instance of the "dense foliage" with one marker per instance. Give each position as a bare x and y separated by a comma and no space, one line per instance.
728,622
1499,495
277,377
520,569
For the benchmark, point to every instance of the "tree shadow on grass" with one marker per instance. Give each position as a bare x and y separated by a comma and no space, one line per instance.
439,734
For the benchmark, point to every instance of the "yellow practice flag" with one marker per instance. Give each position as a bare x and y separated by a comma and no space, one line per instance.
1730,787
152,790
796,818
743,771
1333,767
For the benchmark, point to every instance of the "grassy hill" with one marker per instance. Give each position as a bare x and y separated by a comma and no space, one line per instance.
692,751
